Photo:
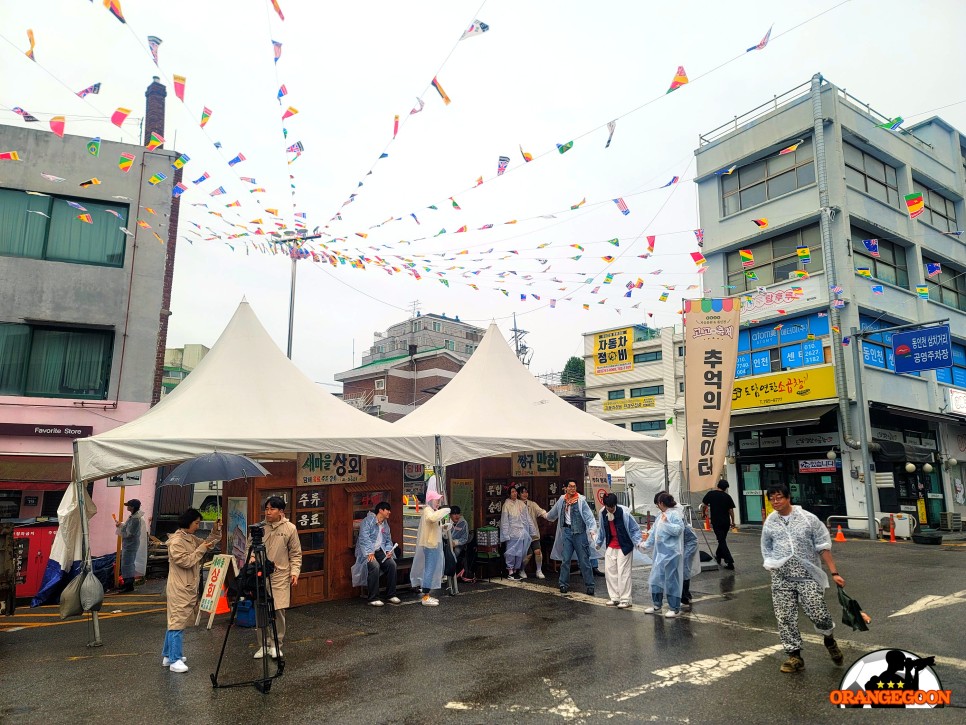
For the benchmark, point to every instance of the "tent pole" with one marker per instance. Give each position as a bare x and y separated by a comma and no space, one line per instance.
440,470
85,543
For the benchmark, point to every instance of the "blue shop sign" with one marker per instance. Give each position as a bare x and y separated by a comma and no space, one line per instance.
925,349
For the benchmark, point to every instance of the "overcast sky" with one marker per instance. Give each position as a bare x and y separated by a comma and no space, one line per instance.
544,74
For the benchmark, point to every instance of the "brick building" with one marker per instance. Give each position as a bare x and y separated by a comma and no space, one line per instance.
408,363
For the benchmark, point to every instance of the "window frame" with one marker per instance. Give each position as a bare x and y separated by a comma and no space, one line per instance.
648,426
617,394
941,289
764,251
802,157
946,223
867,160
648,356
876,264
643,392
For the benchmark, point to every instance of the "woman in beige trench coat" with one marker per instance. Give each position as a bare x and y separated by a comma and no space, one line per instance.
185,552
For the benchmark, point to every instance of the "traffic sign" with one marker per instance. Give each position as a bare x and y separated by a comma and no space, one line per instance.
924,349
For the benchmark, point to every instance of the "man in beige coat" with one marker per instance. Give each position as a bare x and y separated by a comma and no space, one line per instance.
283,549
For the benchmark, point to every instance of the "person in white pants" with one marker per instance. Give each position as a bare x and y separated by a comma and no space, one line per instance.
620,532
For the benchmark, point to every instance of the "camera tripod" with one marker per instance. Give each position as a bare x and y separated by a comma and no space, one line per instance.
260,594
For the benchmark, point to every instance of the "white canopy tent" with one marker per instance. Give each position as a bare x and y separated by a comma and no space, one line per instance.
244,397
495,406
648,478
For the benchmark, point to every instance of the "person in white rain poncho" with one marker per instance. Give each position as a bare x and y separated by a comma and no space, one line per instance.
134,545
666,544
427,569
516,529
794,543
692,562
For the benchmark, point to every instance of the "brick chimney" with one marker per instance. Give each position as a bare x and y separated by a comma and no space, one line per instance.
154,122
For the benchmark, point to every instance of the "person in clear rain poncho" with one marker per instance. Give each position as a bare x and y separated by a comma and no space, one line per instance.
427,569
665,542
134,545
516,529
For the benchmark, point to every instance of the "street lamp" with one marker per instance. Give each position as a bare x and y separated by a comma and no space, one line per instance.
296,252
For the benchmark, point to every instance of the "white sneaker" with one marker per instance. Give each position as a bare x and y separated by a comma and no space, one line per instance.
540,574
395,600
275,654
429,601
178,666
624,605
376,603
670,614
652,610
262,651
612,603
523,574
165,661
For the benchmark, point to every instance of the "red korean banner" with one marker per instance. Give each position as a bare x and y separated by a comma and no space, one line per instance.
711,356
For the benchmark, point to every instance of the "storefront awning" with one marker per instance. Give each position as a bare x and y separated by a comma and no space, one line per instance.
779,418
914,413
895,452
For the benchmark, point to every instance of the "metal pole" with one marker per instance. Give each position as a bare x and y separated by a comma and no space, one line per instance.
863,413
291,309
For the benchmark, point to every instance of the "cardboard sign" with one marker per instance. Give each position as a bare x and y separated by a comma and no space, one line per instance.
214,585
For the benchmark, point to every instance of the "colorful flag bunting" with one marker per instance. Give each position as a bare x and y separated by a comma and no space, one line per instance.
441,92
892,124
157,179
395,122
800,274
837,289
877,289
650,244
289,112
479,181
747,258
125,162
277,50
295,148
761,223
699,236
864,272
461,229
526,157
699,259
90,182
804,254
153,43
752,275
792,148
611,127
249,179
565,147
25,116
179,82
237,160
203,177
178,190
922,291
608,259
283,91
578,204
234,203
118,117
501,164
477,27
664,295
205,116
674,180
75,205
115,7
933,269
30,52
915,204
86,218
872,245
622,206
180,161
9,156
762,43
219,191
726,172
90,90
420,104
680,78
57,124
616,242
155,141
94,146
455,205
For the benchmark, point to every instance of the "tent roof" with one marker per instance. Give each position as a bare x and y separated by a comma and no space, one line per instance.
494,406
244,397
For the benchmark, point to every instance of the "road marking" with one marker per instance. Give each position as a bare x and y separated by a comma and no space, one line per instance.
932,601
82,619
701,672
565,708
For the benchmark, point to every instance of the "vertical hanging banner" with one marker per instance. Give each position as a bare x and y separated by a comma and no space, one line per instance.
711,355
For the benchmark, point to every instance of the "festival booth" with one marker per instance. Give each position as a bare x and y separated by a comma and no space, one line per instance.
646,478
496,424
330,462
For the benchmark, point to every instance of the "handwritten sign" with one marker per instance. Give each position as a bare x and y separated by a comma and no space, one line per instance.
215,584
535,463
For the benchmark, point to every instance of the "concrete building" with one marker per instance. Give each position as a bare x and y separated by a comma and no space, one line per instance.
84,301
635,376
802,205
178,362
408,363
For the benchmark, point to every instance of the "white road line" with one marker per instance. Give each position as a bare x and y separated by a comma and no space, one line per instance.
932,601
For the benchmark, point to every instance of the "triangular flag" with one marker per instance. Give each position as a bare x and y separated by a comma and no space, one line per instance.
57,124
179,82
680,78
118,117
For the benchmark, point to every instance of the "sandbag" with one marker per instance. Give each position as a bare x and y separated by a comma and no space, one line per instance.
91,593
70,600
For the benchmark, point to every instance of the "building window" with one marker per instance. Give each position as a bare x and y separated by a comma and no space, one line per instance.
767,179
615,394
450,345
940,211
956,375
948,287
680,387
380,384
50,362
889,266
680,350
621,425
437,327
469,349
647,391
771,348
647,425
776,259
415,326
55,233
866,173
643,357
877,348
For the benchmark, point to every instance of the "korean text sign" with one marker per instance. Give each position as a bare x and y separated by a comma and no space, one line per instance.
711,354
614,351
330,468
925,349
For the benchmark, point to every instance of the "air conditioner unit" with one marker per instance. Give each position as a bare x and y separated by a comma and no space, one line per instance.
380,399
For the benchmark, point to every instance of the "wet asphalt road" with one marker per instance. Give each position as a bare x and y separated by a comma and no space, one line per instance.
502,652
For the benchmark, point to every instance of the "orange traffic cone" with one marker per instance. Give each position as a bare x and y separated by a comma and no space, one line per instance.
840,537
222,607
707,523
892,529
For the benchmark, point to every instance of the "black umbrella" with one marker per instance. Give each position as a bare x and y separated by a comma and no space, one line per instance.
214,467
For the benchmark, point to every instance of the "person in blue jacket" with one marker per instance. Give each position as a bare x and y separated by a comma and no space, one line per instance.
620,532
575,530
665,542
375,555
